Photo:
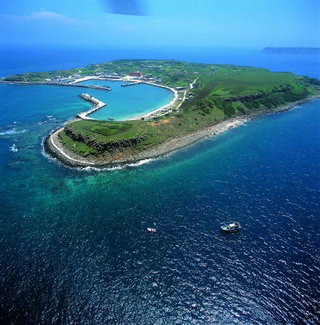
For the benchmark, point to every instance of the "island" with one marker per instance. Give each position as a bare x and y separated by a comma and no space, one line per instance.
292,50
208,99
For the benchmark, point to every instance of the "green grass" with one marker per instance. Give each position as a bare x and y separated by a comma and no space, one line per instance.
76,146
108,130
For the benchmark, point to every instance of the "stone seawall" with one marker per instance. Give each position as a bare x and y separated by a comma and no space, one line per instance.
96,104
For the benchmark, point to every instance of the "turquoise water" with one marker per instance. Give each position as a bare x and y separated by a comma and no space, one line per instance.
73,245
125,102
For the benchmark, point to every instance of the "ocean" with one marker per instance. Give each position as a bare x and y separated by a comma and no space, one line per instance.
73,243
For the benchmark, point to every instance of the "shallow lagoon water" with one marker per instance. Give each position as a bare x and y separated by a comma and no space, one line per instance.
125,102
73,245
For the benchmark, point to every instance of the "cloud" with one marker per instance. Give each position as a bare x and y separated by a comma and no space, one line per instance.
43,15
50,15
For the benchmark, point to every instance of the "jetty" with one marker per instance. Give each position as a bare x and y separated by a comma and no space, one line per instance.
126,84
90,86
96,104
66,84
71,84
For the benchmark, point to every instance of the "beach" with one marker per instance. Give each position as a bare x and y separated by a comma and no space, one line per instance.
166,106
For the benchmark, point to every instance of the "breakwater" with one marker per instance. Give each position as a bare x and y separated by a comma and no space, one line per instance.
67,84
88,86
96,104
126,84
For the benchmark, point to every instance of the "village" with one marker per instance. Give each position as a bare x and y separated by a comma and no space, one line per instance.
77,77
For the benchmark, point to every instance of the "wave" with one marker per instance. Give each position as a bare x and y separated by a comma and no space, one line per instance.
48,119
139,163
13,131
14,148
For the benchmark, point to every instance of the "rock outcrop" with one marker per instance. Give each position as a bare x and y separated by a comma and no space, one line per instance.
110,146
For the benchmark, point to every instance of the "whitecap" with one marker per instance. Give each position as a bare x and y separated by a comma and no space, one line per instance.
13,148
139,163
13,131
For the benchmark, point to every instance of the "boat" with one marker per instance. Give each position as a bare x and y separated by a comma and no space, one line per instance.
231,227
151,229
110,119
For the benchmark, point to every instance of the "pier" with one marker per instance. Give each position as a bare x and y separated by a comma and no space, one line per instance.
67,84
96,104
126,84
90,86
75,85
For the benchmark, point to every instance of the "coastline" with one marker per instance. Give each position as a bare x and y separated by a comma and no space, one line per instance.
53,146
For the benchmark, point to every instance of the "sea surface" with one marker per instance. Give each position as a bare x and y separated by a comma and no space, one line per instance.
73,243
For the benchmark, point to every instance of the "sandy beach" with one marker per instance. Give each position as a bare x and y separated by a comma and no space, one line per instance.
84,79
166,106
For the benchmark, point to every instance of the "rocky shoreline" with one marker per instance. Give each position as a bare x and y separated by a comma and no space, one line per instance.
54,147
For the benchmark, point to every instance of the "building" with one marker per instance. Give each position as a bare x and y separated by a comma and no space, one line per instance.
135,74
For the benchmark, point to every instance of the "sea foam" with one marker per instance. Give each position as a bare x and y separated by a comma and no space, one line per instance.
13,131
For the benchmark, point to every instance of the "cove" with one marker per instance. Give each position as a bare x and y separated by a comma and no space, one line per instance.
126,102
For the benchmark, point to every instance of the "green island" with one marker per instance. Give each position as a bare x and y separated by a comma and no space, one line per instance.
209,98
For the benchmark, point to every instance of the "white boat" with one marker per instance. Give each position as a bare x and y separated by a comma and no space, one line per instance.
231,227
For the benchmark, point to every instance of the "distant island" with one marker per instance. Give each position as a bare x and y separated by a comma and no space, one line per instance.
294,50
208,99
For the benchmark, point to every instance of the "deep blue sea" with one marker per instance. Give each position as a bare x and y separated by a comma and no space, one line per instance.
73,243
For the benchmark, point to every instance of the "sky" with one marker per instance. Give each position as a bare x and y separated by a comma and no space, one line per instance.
171,23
